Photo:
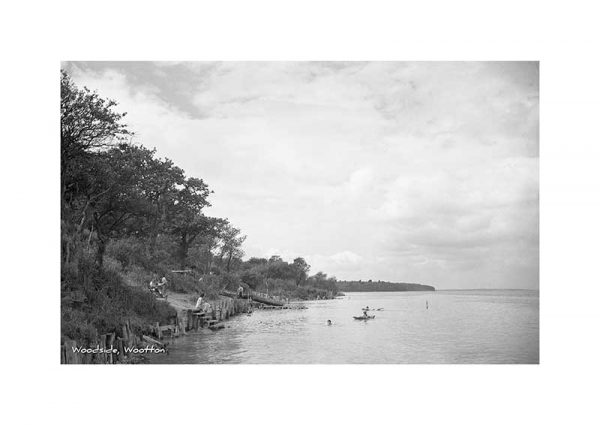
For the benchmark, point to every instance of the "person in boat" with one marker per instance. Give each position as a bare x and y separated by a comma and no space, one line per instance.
329,322
365,314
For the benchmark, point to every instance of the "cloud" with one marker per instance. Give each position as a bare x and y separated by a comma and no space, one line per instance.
346,257
372,170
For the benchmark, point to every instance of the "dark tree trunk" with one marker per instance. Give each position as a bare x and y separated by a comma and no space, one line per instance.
229,260
152,244
100,252
183,250
208,264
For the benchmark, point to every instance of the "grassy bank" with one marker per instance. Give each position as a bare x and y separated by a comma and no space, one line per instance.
97,301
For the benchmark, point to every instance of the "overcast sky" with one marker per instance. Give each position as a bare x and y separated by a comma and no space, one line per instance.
411,172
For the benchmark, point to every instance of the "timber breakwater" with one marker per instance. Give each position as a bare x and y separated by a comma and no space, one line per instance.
130,346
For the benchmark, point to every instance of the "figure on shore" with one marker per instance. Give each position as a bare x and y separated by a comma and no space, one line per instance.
199,302
162,286
153,286
241,292
157,288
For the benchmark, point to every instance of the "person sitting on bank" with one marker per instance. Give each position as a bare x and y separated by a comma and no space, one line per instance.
240,292
162,286
199,302
152,285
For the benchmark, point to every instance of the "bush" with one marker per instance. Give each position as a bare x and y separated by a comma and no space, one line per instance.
138,276
97,301
126,251
183,283
252,278
230,281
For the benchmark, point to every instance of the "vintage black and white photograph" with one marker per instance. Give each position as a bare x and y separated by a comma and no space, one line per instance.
299,212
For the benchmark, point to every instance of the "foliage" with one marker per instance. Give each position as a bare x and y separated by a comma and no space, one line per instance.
87,121
96,300
232,241
301,269
128,216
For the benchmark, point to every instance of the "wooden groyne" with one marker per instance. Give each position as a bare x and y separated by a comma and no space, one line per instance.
221,310
126,346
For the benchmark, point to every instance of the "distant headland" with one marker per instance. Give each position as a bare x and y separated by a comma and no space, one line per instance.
380,286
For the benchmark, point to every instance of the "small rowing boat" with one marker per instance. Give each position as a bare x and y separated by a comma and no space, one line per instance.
364,317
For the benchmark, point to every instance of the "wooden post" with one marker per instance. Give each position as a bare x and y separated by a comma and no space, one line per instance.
120,347
68,352
110,342
153,341
102,344
124,331
129,338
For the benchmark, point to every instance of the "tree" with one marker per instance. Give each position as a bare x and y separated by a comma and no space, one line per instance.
320,280
89,126
232,243
212,240
87,123
253,278
279,269
301,269
254,261
120,204
160,185
185,217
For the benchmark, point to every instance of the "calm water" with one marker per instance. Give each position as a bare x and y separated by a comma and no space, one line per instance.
483,326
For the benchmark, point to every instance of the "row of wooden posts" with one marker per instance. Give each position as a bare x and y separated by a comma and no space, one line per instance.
124,346
221,310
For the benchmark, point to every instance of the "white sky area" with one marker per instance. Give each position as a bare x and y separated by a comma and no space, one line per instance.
423,172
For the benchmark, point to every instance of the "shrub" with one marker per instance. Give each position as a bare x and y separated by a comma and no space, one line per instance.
106,303
230,281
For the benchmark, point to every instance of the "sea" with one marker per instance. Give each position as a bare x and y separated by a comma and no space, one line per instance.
449,327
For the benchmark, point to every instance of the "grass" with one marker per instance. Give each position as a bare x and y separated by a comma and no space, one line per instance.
97,301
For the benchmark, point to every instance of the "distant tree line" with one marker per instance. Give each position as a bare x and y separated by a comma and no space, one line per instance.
375,286
258,273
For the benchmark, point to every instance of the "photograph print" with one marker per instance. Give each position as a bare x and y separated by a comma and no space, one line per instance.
299,212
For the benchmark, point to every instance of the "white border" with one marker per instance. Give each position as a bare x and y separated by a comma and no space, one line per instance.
38,35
